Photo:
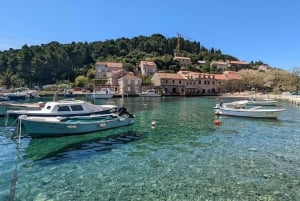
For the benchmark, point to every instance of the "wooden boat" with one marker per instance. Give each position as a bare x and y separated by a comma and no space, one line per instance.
64,126
68,108
149,93
5,106
255,112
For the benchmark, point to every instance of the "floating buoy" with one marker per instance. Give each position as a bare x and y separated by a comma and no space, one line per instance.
217,122
153,123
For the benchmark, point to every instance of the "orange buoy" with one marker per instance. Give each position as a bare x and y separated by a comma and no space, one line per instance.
217,122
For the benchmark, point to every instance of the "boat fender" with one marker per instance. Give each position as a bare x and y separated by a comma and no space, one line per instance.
23,116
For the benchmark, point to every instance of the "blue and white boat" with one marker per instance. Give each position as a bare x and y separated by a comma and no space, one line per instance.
64,126
68,108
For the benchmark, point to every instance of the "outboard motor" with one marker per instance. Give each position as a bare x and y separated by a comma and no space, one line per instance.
122,110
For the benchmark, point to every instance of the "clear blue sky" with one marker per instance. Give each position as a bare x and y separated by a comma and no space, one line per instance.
250,30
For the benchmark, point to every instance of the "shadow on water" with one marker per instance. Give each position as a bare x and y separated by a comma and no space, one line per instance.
76,150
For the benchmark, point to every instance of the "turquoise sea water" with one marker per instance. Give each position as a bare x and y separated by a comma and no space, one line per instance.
183,157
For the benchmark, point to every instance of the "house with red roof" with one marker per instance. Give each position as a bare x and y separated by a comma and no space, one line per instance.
229,81
129,84
186,83
238,65
148,68
114,76
104,69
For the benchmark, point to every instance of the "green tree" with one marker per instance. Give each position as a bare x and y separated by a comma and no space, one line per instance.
81,81
6,77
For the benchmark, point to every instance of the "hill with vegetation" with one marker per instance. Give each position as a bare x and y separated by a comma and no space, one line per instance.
56,63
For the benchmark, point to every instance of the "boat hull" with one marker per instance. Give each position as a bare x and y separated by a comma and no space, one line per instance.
149,95
102,96
37,127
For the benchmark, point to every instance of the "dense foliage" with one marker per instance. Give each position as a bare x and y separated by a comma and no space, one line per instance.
54,62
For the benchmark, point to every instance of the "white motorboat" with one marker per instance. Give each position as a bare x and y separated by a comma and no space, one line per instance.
24,95
64,126
263,102
3,97
255,112
5,106
103,93
234,104
68,108
149,93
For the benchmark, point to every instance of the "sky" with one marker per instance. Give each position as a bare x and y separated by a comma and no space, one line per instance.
250,30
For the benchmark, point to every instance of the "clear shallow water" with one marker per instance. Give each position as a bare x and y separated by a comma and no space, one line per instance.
184,157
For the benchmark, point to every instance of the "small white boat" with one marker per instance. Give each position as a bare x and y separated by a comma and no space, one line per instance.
24,95
234,104
255,112
15,96
5,106
3,97
64,126
263,102
104,93
67,108
149,93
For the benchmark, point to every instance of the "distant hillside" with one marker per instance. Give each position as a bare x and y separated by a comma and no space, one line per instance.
54,62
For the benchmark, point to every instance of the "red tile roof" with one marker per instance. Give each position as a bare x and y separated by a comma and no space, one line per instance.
220,77
110,64
238,62
130,76
169,75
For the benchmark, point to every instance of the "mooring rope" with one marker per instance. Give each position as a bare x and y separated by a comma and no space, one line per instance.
18,132
13,185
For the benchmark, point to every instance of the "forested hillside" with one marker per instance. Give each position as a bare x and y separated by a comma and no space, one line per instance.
54,62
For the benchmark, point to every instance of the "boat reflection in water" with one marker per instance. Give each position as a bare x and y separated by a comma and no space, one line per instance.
49,150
